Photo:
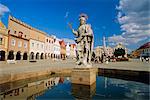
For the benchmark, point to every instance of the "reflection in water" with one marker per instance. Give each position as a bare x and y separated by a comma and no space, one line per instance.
111,88
29,91
61,88
139,76
83,91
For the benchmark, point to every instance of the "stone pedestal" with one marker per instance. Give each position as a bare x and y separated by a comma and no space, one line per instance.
84,76
83,92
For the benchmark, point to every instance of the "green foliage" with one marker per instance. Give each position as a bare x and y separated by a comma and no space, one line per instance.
119,52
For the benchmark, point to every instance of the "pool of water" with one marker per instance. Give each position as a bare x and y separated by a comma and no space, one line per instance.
60,87
104,88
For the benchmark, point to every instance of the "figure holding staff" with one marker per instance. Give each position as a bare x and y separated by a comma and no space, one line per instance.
84,40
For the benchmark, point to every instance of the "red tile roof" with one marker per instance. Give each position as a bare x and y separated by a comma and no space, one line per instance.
144,46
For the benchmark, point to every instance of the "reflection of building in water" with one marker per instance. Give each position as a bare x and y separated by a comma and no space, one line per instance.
105,84
51,82
31,90
61,80
117,82
83,91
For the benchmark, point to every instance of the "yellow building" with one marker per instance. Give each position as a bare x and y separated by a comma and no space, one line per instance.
18,39
3,42
142,51
25,42
99,50
37,44
72,50
62,49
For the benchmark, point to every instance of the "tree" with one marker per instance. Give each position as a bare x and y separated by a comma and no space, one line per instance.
119,52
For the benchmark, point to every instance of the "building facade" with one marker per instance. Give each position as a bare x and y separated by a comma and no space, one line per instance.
3,42
142,51
37,44
67,50
49,41
99,50
62,49
110,51
18,39
56,49
73,50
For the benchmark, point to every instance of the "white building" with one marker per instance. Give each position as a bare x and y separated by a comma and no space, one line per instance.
36,49
49,41
99,50
56,48
109,51
68,50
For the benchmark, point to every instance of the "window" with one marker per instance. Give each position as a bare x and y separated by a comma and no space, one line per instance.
14,32
25,45
8,31
20,44
42,46
37,46
1,40
32,44
13,41
20,34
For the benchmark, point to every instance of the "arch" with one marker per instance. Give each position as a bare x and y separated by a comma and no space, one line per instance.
25,56
51,55
37,55
42,55
2,55
18,55
45,55
54,55
11,55
32,55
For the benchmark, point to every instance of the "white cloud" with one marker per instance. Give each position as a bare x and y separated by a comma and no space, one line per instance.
117,39
3,9
133,16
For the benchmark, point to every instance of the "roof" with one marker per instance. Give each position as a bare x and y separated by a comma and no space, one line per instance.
144,46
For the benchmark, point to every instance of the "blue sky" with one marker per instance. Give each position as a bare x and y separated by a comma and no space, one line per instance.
52,17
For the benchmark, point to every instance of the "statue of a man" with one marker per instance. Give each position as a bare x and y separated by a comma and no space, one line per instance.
84,40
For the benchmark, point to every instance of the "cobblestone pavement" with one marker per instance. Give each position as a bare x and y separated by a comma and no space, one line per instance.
26,69
135,65
26,66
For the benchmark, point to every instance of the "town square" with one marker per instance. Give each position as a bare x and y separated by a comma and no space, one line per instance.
74,49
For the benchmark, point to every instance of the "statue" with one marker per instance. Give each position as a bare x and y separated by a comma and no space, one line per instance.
84,39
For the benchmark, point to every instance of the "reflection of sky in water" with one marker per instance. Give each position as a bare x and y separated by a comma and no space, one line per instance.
106,88
116,89
62,90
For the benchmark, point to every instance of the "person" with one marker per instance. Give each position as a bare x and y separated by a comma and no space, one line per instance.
84,39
